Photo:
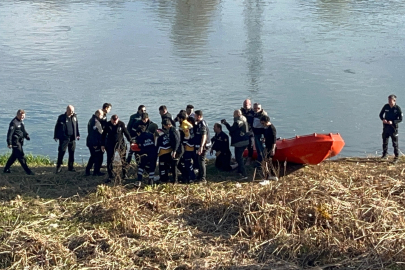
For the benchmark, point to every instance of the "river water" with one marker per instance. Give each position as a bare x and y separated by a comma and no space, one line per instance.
315,66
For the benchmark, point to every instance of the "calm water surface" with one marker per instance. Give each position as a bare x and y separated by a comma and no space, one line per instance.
316,66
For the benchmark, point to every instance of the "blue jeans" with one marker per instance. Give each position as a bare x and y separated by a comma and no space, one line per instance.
259,147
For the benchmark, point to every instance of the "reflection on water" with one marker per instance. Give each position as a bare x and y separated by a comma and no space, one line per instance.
253,17
329,64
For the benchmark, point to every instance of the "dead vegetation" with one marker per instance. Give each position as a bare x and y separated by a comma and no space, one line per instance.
346,214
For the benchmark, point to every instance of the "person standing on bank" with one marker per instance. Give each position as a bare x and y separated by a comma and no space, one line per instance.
165,114
66,132
239,138
175,145
202,141
112,140
220,144
15,140
249,113
270,138
148,153
136,117
187,139
258,131
93,142
391,115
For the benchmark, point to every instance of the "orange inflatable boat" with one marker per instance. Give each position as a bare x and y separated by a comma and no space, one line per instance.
307,149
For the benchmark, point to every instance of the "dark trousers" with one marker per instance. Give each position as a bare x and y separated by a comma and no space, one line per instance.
17,153
174,165
188,169
390,132
147,159
239,158
223,161
122,150
165,162
70,145
96,159
202,170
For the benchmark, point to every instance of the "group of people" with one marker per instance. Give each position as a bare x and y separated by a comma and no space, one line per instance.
181,149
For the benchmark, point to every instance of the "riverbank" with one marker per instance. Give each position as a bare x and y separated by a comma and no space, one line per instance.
336,215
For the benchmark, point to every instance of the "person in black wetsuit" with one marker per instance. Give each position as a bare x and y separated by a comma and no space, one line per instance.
148,153
15,140
67,132
220,144
93,142
391,115
115,131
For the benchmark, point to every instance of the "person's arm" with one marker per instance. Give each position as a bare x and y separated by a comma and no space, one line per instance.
55,133
103,136
77,129
126,133
26,135
177,147
399,119
10,134
382,113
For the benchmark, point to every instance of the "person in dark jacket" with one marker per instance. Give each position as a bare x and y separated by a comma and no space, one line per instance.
175,145
270,138
239,139
202,144
249,113
115,131
136,117
93,142
391,115
165,114
15,140
66,132
220,144
258,131
148,153
132,129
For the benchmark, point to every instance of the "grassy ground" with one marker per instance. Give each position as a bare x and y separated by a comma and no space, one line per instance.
345,214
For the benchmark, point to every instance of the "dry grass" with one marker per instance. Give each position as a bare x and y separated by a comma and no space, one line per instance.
346,214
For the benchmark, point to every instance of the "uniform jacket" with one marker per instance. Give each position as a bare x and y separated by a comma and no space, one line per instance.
175,141
94,131
200,129
114,134
220,142
133,119
249,114
16,132
393,114
146,143
150,127
238,131
62,128
168,115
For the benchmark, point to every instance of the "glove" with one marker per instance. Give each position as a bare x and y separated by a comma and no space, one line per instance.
28,138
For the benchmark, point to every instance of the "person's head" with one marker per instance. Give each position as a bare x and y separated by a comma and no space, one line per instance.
162,110
217,128
247,104
265,120
141,129
257,107
167,123
20,114
70,110
198,115
182,116
99,114
141,109
107,107
114,119
145,117
237,113
392,99
189,109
